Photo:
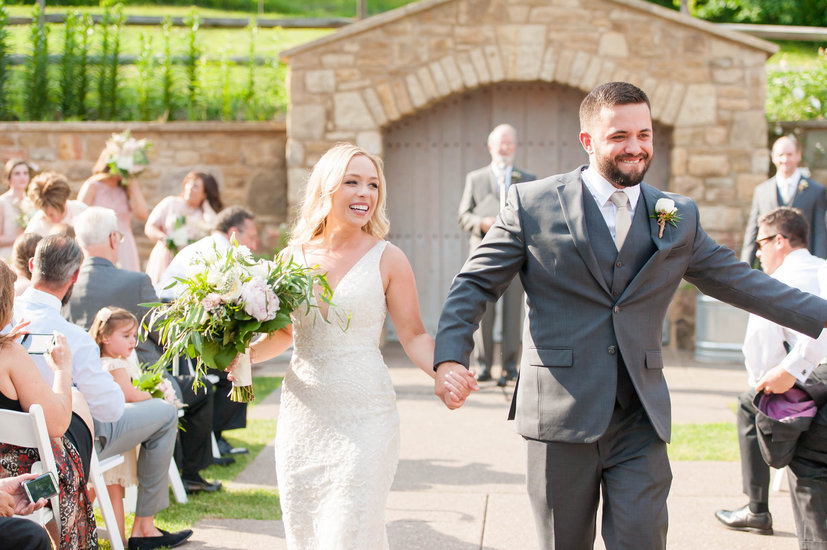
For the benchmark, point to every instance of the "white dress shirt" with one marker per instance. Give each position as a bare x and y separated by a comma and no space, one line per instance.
764,341
102,393
787,186
179,264
601,190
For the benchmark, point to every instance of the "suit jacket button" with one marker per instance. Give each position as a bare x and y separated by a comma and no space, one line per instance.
612,350
617,309
619,264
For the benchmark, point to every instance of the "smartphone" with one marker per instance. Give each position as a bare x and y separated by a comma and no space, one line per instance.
43,486
38,344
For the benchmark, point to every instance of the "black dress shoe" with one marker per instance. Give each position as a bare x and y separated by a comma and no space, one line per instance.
745,520
225,448
483,376
170,540
223,460
200,485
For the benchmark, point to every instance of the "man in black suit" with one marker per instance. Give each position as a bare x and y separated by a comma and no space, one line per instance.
789,187
101,284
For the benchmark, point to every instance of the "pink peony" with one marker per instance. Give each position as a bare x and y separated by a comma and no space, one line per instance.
260,302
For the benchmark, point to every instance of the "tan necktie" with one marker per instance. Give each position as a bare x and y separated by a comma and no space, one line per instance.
623,218
786,191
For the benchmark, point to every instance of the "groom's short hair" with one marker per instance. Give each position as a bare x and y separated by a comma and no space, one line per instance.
609,95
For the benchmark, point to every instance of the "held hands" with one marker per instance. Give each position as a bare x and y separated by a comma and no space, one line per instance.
453,384
776,380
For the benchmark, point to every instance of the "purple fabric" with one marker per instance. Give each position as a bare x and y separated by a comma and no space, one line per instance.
794,403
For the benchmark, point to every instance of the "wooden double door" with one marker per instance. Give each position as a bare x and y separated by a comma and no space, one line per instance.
428,154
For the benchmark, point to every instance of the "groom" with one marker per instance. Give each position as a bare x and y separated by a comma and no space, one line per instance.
599,266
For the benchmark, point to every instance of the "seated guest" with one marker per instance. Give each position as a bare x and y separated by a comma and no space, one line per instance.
179,220
100,284
20,387
49,193
22,252
118,426
236,223
17,532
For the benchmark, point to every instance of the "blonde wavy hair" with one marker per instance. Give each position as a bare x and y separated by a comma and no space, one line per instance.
325,179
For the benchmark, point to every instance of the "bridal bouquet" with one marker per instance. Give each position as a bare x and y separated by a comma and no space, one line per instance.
228,297
126,156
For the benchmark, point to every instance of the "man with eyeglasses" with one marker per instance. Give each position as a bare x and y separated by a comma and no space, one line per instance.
775,356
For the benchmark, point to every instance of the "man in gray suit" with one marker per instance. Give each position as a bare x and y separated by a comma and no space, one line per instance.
789,187
600,255
483,197
100,284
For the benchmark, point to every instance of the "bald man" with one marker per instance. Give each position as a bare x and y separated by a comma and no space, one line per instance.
789,187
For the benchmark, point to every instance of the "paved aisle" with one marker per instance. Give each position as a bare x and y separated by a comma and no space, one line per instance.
460,482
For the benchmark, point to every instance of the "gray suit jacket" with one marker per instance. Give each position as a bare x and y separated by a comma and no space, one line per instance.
480,201
101,284
811,200
576,326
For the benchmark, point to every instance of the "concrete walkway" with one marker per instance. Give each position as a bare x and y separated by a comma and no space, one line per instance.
461,478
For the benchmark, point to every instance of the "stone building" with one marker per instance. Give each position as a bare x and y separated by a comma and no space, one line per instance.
422,86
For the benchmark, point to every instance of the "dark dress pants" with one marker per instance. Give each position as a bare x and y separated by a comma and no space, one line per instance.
23,534
755,473
193,452
512,313
628,464
227,414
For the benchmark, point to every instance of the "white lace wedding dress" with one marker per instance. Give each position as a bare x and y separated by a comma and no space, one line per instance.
337,440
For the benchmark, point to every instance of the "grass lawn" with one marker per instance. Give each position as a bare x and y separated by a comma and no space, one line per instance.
230,504
704,442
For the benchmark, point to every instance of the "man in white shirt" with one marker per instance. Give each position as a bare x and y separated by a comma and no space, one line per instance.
233,222
775,356
789,187
236,223
119,427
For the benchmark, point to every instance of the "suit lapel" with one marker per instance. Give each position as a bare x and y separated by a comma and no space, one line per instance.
649,197
571,201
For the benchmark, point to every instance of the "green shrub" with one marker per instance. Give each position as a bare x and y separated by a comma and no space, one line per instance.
798,94
761,12
37,103
5,94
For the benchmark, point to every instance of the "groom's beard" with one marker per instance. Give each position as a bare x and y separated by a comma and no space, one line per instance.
609,168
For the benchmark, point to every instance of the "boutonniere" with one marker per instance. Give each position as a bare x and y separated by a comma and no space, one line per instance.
802,185
665,212
515,176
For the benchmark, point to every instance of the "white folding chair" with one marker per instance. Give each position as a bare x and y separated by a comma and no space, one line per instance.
96,470
29,430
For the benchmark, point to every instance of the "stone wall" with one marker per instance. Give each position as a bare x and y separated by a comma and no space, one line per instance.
247,160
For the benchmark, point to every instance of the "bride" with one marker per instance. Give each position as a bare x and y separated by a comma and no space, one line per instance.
337,440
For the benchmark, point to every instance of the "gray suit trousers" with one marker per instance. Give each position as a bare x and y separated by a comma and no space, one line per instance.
151,424
512,314
628,461
755,473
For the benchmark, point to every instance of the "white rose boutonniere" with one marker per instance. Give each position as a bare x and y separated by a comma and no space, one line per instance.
802,185
515,176
665,212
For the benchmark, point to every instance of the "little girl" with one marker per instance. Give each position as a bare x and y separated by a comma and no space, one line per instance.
116,332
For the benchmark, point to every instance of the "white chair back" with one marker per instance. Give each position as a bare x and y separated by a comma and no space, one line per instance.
29,430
